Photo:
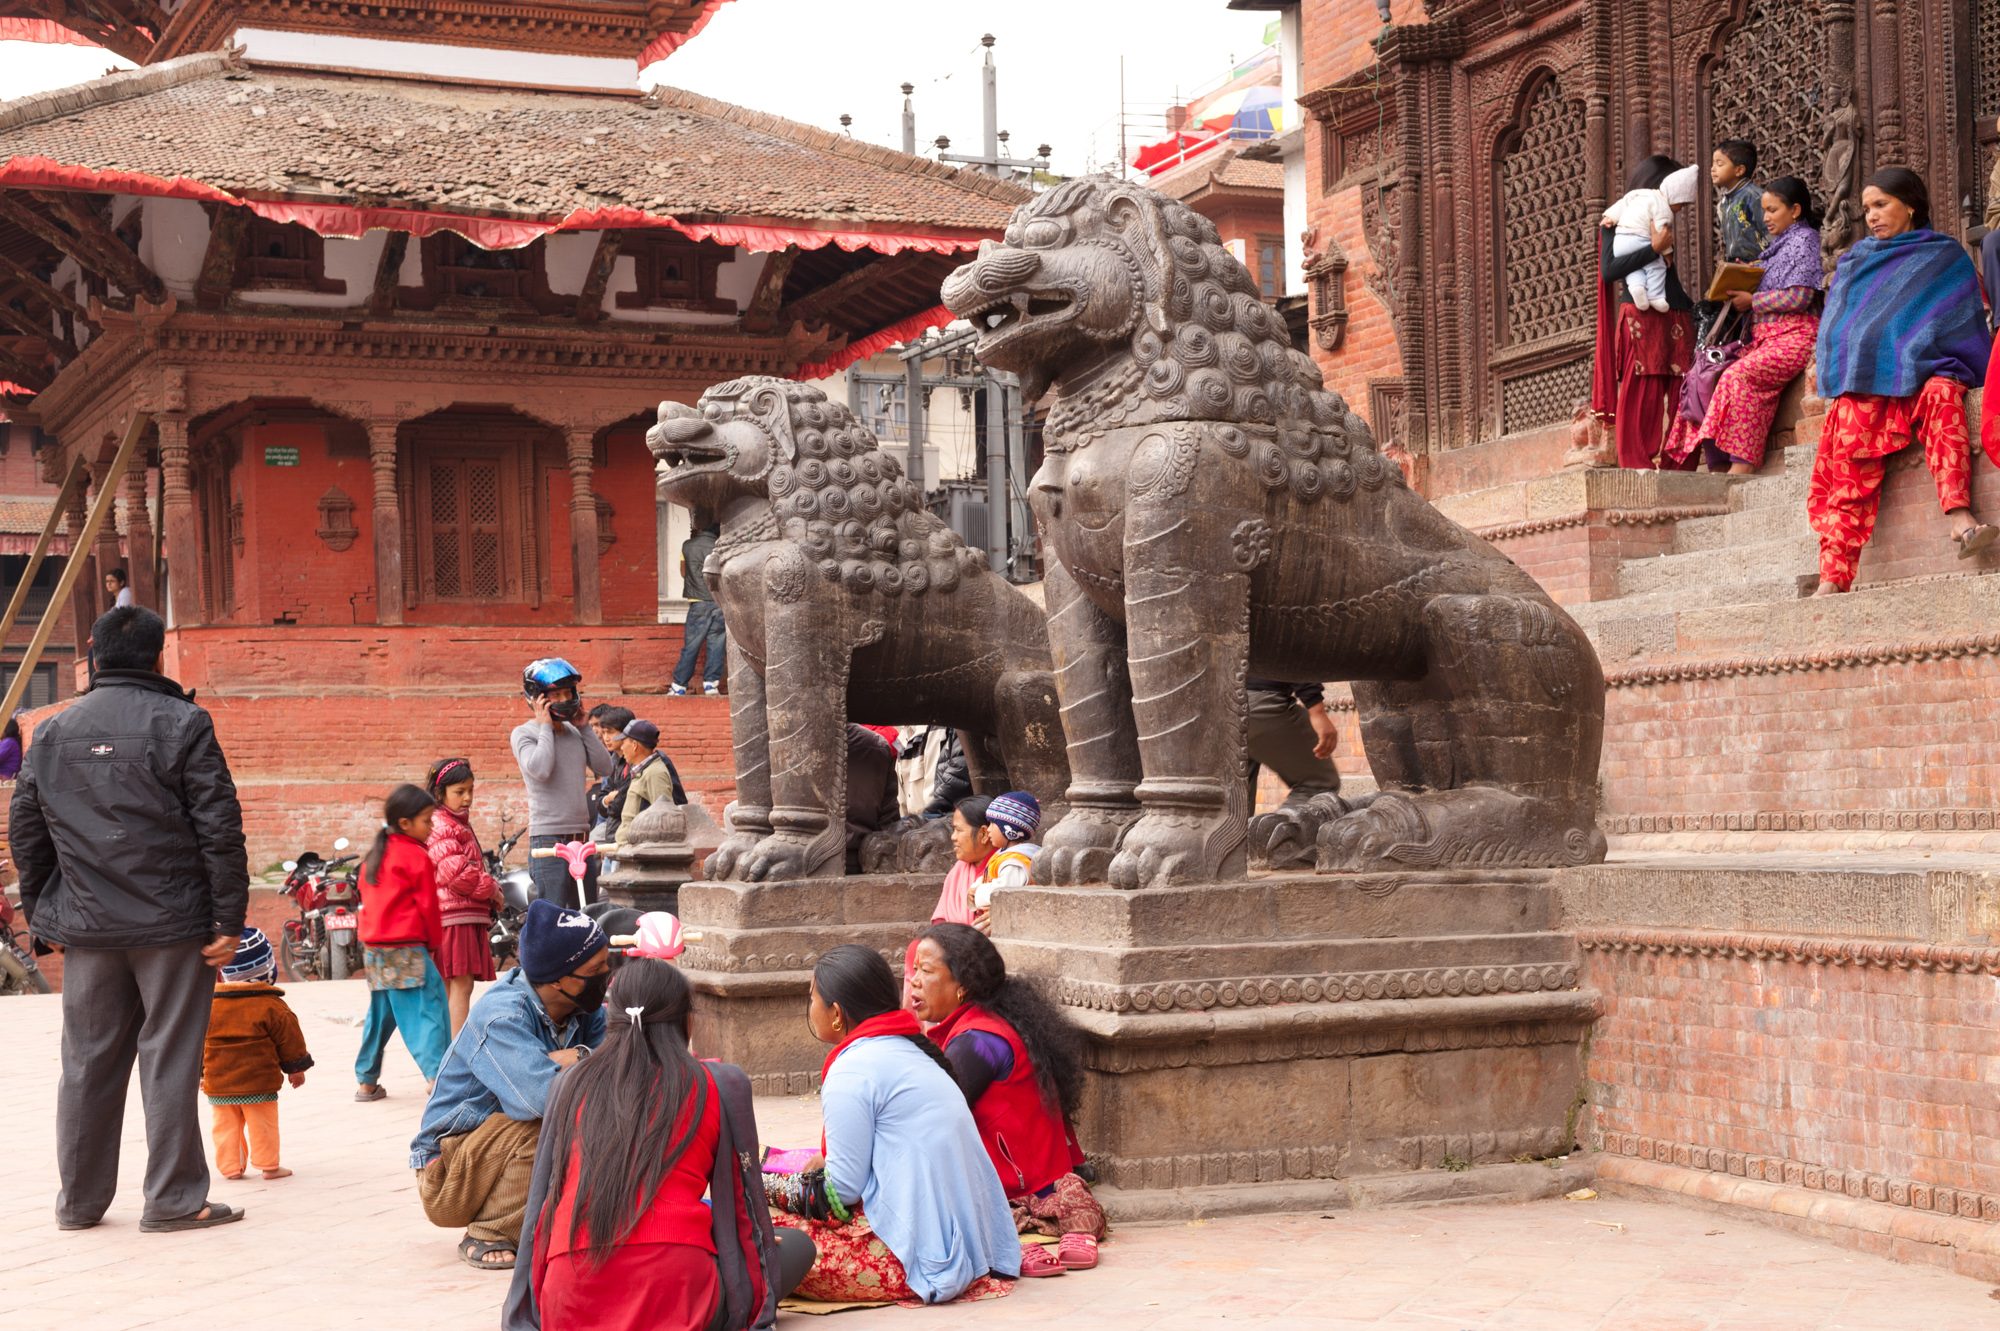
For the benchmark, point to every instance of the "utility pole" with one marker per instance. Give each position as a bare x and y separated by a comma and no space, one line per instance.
990,161
909,121
996,473
913,390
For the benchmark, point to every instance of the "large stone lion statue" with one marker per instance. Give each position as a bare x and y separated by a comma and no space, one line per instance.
1213,513
845,600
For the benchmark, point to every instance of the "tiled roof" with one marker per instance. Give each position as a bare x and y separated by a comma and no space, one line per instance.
1228,172
19,515
272,134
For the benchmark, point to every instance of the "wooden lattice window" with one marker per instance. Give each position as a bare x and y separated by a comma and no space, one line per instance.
1985,45
1768,85
466,504
283,256
1546,260
673,273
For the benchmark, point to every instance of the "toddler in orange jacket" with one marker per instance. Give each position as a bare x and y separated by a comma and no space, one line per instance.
254,1045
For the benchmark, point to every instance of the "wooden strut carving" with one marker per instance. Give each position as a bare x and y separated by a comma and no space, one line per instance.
1182,415
846,601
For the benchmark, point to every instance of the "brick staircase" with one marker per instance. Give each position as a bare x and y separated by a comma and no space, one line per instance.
1744,714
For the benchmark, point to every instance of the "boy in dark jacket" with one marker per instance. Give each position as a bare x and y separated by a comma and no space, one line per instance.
254,1043
129,841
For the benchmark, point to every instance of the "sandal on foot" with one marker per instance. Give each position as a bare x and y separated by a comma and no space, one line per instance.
1078,1252
1037,1261
474,1252
215,1213
1975,539
370,1094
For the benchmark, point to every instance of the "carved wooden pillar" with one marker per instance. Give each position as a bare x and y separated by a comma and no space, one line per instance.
178,528
85,594
387,520
1840,167
139,535
1885,63
581,443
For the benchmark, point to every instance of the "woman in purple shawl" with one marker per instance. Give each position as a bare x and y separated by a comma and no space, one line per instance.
1904,337
1786,307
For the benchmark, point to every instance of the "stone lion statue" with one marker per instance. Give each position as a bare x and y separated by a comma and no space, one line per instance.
846,600
1213,513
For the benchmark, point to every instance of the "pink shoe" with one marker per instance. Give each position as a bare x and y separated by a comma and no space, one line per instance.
1037,1261
1077,1252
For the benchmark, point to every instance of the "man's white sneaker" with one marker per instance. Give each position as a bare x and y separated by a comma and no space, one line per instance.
711,690
677,691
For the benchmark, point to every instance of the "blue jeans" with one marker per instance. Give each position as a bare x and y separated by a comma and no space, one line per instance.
704,628
423,1017
550,874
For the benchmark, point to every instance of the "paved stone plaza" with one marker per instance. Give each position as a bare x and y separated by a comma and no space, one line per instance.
343,1243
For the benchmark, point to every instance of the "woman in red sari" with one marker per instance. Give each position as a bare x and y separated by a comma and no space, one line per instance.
635,1135
1640,354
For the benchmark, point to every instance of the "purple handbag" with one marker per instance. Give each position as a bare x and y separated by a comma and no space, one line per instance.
1698,384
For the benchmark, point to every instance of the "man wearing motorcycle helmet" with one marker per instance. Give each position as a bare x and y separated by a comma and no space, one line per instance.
557,753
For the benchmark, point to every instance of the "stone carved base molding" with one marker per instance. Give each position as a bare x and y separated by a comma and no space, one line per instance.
1962,1243
1219,1168
1805,820
1813,1178
1941,649
1268,991
1808,951
1616,517
1567,1023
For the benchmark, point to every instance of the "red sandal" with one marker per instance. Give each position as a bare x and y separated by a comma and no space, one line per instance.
1037,1261
1077,1252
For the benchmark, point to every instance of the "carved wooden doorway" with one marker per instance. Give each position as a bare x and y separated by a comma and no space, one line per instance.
470,513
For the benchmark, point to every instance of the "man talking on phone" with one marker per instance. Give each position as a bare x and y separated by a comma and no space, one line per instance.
557,754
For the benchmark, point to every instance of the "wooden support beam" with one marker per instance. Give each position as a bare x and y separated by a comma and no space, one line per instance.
22,373
218,262
761,314
48,536
388,272
80,542
815,305
29,326
116,259
46,291
590,300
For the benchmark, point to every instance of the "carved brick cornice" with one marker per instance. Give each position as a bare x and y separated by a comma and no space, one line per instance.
1858,952
1806,820
1616,517
1855,1183
1833,658
1347,987
1443,38
1217,1168
608,29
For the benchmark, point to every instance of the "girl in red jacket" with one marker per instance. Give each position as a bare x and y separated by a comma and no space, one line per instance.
401,931
467,895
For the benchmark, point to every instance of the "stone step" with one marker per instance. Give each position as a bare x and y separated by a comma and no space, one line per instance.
1582,490
1746,564
1739,527
1781,486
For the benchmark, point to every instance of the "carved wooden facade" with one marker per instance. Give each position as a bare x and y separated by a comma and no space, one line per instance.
1485,140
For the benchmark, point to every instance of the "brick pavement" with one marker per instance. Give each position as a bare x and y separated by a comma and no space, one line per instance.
343,1243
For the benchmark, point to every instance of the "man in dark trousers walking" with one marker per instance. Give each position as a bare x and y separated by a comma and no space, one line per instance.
129,841
704,627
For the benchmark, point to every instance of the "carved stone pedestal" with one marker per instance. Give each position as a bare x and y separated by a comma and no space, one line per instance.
1272,1043
662,851
752,969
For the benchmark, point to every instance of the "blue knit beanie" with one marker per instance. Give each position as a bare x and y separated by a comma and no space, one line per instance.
556,940
1017,814
254,959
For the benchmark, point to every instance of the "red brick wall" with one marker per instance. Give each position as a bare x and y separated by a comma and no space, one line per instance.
1804,1064
1338,38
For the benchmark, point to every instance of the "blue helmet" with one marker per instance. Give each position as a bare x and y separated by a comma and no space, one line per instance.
551,672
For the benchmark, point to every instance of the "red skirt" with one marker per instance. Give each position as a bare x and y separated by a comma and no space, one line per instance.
641,1287
467,950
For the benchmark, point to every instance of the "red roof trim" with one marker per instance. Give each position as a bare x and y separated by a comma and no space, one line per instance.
42,32
938,316
493,233
667,43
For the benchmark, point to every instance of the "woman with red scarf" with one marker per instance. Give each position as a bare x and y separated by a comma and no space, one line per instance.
906,1207
1641,355
1021,1068
635,1135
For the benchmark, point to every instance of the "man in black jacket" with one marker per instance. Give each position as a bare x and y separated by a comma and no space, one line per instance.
129,841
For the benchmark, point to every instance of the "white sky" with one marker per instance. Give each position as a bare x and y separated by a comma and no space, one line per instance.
1057,59
811,60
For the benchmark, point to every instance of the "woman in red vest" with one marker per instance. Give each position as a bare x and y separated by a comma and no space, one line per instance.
1021,1067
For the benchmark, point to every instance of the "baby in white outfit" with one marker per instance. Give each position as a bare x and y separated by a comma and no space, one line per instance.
1637,216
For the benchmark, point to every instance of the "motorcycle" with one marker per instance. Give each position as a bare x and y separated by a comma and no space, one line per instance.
324,942
18,972
517,889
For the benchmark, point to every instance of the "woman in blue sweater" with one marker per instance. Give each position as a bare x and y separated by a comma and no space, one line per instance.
906,1206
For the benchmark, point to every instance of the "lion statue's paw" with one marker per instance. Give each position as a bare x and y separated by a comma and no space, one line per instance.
1169,849
1078,849
1288,836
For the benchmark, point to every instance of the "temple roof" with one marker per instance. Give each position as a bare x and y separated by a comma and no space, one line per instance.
1226,172
200,127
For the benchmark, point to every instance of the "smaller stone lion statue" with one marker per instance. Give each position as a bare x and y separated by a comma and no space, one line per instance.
846,600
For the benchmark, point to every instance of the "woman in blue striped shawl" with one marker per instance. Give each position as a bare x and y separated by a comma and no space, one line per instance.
1904,337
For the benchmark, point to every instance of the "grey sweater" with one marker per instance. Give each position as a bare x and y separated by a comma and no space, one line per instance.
556,763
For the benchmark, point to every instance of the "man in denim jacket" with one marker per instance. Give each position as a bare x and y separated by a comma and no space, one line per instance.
475,1151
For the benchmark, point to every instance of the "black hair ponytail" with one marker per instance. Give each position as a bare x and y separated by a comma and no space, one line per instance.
857,981
405,801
